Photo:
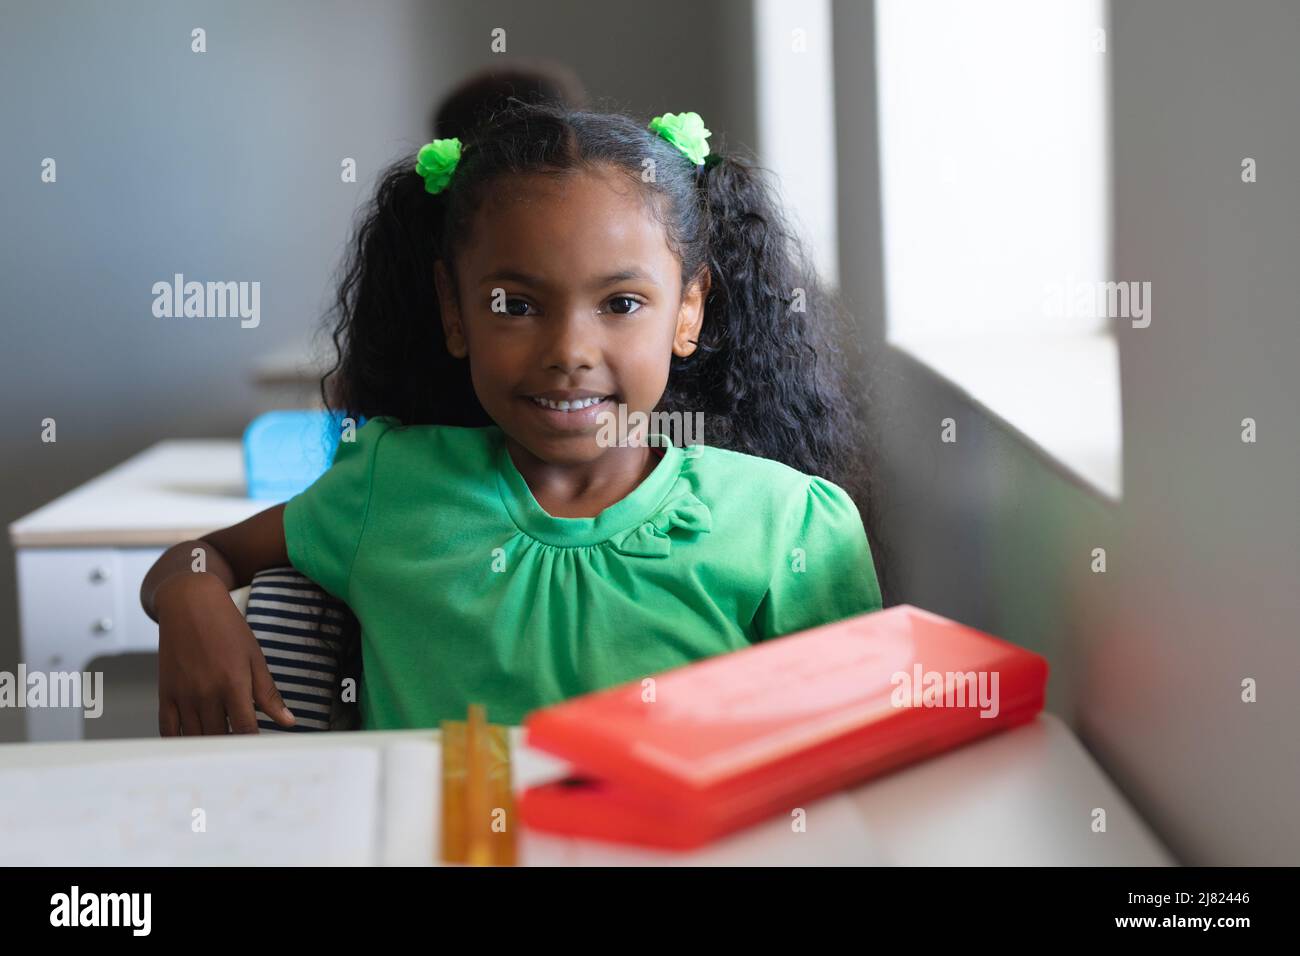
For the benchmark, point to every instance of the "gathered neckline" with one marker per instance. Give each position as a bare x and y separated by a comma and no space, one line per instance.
634,510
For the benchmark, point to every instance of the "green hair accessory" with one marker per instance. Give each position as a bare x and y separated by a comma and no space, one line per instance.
436,162
685,131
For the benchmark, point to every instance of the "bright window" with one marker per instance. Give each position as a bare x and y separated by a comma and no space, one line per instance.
995,198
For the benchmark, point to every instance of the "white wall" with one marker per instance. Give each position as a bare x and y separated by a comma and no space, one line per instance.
1204,549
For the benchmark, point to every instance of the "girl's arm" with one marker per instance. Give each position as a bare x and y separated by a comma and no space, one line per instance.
210,667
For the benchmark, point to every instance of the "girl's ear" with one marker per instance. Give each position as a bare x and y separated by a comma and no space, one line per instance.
449,309
691,315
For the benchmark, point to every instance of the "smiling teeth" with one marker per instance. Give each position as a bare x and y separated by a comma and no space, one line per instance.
567,406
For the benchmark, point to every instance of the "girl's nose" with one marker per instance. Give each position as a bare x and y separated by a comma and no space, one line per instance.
572,342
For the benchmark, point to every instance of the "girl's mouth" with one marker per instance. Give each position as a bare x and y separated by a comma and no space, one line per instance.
571,406
573,413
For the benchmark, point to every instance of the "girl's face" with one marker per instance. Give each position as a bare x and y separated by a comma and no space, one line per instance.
568,293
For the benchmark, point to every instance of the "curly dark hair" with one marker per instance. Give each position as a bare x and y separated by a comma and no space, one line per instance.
766,374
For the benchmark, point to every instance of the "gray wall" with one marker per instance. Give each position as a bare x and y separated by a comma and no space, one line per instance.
225,166
1204,550
1210,532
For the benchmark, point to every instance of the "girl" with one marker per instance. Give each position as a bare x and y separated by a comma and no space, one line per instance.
506,299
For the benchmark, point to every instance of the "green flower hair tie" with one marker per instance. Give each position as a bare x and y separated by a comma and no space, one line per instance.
436,162
685,131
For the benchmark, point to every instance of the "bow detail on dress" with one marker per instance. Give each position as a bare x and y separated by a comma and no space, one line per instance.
651,539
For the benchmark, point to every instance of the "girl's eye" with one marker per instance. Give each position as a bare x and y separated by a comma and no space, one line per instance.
513,307
626,301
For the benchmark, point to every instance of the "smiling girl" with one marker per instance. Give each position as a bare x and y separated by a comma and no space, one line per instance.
504,297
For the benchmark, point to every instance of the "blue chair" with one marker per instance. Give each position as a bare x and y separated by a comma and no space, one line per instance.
285,451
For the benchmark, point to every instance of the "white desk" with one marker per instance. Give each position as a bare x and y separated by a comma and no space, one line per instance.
1023,797
82,557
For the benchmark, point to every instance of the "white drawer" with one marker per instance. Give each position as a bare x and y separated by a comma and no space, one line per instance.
70,604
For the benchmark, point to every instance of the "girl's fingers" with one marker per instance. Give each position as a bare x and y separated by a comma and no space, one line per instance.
243,719
267,696
169,720
212,714
190,725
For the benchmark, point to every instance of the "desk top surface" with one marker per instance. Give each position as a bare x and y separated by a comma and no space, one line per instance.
1022,797
173,491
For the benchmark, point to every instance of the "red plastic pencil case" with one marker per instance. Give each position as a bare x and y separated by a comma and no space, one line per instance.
723,743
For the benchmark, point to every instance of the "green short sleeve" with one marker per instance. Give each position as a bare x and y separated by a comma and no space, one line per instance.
323,524
823,570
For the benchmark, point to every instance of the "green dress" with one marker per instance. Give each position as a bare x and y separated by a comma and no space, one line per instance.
469,592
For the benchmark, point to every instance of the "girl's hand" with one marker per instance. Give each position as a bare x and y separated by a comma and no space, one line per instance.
210,667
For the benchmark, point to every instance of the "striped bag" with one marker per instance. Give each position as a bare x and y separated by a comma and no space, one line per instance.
311,643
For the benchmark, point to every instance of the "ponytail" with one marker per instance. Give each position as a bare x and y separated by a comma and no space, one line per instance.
768,373
392,358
